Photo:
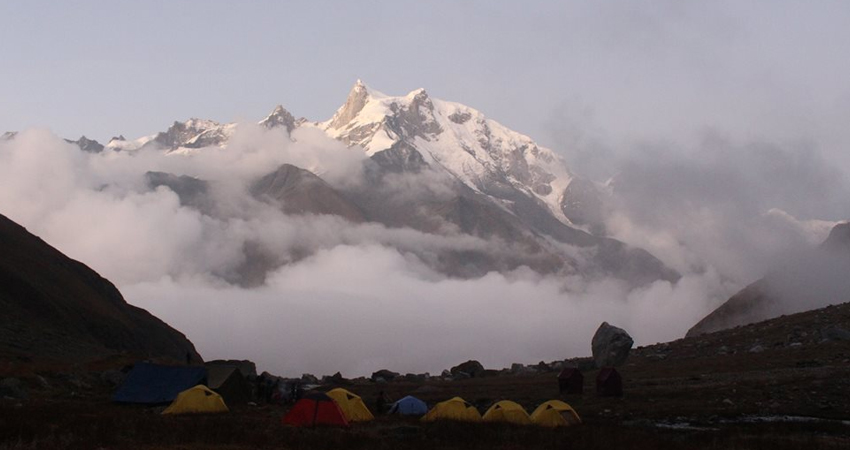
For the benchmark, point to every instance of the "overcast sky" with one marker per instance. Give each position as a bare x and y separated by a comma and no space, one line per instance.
551,69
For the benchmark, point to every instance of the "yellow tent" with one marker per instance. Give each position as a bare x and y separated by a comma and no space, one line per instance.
453,409
507,411
198,399
352,406
555,413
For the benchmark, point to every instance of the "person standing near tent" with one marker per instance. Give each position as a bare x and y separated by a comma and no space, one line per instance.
380,403
261,388
275,394
298,392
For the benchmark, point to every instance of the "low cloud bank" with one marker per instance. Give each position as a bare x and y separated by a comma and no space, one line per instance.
361,299
357,309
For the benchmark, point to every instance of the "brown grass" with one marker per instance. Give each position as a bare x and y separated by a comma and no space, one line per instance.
91,425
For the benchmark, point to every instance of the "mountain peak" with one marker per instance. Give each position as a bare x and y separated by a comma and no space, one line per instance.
87,145
358,96
279,117
417,93
839,239
361,89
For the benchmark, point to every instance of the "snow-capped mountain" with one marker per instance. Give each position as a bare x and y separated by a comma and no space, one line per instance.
87,145
480,152
280,117
180,136
408,132
497,185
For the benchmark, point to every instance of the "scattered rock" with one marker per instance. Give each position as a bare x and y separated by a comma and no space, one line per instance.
42,382
76,381
582,364
113,377
336,378
835,333
809,363
460,375
472,368
415,378
13,388
728,402
426,389
309,378
756,348
522,370
384,374
489,373
610,346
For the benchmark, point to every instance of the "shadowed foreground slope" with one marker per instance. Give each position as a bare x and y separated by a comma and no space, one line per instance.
57,309
781,384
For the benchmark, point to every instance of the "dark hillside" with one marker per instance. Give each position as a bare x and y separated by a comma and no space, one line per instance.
812,280
56,309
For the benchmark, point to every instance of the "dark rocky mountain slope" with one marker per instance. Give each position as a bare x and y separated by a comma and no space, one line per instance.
56,309
811,281
299,191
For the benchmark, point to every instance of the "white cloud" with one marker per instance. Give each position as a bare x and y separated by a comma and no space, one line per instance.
353,298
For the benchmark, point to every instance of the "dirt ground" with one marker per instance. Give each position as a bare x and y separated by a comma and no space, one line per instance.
781,384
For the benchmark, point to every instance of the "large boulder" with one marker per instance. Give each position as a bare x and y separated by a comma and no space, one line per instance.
336,379
835,333
611,346
472,368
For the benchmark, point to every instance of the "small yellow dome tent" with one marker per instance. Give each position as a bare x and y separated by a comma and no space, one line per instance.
453,409
555,413
352,405
507,411
197,400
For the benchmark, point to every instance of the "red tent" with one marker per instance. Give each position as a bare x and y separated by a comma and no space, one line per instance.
571,381
609,383
315,409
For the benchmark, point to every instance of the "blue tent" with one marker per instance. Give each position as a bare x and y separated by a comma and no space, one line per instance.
409,406
154,384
